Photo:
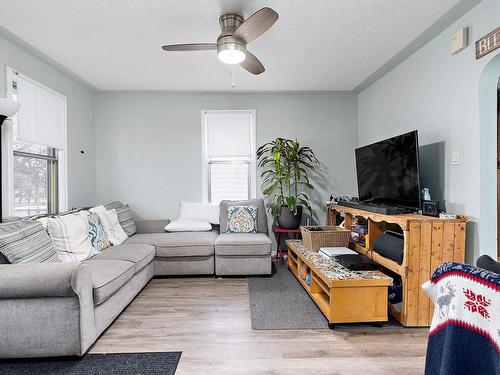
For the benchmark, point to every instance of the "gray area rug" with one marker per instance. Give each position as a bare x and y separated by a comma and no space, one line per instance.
280,302
154,363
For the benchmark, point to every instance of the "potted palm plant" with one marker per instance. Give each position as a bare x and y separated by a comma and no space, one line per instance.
285,166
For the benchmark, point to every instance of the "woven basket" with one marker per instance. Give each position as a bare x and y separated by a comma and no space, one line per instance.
330,236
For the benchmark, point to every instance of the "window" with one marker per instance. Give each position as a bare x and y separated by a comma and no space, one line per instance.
228,152
35,144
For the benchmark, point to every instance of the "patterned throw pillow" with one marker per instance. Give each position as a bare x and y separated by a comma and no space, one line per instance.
98,237
242,219
70,235
111,225
26,242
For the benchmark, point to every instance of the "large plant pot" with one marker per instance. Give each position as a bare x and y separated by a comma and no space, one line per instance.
288,220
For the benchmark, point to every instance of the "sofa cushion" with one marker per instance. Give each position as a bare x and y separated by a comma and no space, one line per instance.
188,226
108,276
139,254
26,242
243,244
261,213
125,216
198,211
181,244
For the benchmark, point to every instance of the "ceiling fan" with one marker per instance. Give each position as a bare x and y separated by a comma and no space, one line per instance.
232,43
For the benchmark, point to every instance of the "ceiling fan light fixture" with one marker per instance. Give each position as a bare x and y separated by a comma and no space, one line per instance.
236,33
230,51
231,56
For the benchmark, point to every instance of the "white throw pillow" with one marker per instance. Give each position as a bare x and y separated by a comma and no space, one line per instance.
110,224
70,235
188,226
206,212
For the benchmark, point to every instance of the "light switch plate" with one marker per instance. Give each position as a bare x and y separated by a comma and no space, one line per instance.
455,158
459,41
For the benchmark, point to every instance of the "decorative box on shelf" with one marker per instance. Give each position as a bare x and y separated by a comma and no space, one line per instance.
316,237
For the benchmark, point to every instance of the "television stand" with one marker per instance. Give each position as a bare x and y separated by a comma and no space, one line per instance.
377,208
428,243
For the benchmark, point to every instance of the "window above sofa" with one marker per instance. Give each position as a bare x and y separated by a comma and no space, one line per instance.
228,155
34,148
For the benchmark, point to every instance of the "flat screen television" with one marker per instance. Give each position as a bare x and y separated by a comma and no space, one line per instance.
388,172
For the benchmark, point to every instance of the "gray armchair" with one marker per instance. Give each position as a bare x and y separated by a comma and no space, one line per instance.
243,253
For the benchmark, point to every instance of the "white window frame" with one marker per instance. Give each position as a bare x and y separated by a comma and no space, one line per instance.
8,151
205,171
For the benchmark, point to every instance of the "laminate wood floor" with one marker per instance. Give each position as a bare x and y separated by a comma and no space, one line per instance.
208,319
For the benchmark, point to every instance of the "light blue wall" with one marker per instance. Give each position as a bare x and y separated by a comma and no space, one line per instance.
148,145
439,95
80,117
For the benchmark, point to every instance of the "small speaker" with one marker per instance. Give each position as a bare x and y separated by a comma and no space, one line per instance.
430,208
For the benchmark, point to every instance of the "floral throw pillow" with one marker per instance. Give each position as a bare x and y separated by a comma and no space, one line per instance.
242,219
98,237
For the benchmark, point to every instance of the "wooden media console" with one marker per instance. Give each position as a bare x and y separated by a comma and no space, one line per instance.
342,295
428,242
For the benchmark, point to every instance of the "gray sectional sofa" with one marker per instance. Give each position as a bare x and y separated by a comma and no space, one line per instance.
60,309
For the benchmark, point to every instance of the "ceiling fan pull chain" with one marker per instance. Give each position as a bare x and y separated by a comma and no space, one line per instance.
232,76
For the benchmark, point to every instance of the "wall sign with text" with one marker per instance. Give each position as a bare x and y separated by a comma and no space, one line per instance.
488,43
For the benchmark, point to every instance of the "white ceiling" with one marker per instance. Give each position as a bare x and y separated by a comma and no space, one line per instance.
314,45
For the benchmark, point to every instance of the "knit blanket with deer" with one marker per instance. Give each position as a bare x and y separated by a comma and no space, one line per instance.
465,329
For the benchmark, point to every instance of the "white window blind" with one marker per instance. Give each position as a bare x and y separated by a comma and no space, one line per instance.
229,134
228,155
42,116
229,180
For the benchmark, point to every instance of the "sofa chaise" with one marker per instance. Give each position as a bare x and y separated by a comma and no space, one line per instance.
60,309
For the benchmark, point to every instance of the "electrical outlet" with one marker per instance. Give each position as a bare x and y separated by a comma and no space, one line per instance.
455,158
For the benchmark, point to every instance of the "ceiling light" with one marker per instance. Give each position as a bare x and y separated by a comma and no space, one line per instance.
231,51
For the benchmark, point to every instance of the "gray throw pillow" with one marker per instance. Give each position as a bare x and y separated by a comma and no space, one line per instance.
114,204
26,242
126,220
125,216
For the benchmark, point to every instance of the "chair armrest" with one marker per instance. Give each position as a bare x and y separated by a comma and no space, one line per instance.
44,280
151,226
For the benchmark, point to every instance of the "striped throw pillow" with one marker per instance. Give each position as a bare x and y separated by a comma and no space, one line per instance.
114,204
125,216
26,242
126,220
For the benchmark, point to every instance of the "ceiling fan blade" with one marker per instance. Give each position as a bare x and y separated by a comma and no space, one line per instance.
190,47
255,25
252,64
